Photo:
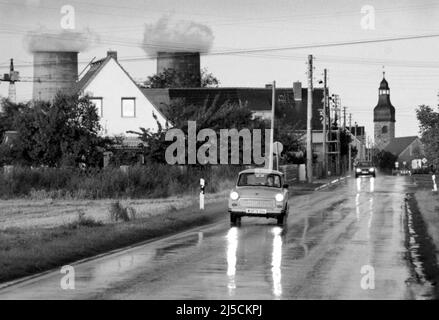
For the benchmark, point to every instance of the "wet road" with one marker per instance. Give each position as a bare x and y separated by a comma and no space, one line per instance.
346,242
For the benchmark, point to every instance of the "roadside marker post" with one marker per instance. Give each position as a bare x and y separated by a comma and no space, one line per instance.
433,177
202,190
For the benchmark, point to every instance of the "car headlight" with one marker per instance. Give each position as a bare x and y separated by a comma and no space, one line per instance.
371,169
279,197
358,170
234,195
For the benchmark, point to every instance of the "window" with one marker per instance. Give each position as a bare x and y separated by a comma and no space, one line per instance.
128,108
384,129
98,104
259,179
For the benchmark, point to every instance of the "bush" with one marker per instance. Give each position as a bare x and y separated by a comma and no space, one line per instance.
118,212
149,181
84,221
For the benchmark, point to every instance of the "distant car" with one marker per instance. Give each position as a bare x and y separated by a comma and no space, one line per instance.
259,193
365,168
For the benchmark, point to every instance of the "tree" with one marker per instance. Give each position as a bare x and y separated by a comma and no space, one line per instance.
62,132
171,78
10,111
429,128
212,115
384,159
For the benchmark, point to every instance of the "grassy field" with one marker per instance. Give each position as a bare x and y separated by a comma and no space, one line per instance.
39,235
48,213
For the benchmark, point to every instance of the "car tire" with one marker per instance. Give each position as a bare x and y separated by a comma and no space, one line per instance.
356,176
373,175
232,219
235,220
281,220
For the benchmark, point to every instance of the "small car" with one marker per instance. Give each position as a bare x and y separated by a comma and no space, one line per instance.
365,168
259,193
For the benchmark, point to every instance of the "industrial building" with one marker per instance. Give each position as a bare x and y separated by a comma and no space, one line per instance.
54,71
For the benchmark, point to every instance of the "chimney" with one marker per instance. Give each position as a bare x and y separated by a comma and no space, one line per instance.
297,90
112,54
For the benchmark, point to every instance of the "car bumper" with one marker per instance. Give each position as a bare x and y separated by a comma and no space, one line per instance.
270,213
364,173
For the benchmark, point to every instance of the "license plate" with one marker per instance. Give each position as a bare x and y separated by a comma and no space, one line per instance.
256,211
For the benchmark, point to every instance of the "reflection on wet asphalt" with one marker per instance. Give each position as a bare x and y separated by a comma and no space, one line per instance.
331,235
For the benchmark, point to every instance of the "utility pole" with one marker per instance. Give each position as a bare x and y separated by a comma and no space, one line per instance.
325,135
344,117
273,102
11,77
309,170
350,146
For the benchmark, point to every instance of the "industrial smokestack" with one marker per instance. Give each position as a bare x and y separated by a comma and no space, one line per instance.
186,64
54,72
177,44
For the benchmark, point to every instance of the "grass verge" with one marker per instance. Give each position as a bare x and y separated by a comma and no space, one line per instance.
26,251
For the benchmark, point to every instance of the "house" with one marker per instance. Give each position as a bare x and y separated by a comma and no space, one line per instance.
406,149
121,104
291,103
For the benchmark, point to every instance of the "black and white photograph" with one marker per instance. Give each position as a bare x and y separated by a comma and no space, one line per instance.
219,155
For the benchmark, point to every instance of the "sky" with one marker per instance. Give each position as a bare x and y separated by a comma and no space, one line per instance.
255,42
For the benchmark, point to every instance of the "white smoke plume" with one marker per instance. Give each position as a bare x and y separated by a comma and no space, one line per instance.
67,41
170,35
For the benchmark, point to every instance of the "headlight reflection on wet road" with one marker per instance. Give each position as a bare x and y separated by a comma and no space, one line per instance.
372,184
232,247
357,206
277,261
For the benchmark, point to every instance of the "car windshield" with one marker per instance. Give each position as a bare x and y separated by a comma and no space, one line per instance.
364,164
259,179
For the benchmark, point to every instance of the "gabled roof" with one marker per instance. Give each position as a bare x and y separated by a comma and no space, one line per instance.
96,67
397,145
257,99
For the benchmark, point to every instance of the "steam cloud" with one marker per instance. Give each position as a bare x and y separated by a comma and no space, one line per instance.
169,35
73,41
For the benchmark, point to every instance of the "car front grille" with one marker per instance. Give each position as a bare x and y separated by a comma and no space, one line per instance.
256,203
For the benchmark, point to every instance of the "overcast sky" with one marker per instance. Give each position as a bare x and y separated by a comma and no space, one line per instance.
412,66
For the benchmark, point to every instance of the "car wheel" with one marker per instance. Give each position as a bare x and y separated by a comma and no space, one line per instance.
356,176
374,175
281,220
235,220
232,219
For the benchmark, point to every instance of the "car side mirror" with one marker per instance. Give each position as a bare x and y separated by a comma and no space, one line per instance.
285,186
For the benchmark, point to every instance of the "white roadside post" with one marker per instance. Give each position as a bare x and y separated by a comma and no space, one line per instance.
433,177
202,186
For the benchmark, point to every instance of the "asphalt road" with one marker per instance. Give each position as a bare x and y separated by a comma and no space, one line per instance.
346,242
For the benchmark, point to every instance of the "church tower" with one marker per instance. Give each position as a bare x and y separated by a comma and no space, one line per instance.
383,116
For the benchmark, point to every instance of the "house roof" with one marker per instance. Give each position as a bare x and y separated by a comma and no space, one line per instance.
257,99
397,145
9,137
97,66
91,73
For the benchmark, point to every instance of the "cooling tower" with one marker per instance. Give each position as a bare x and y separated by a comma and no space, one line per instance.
53,72
184,63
